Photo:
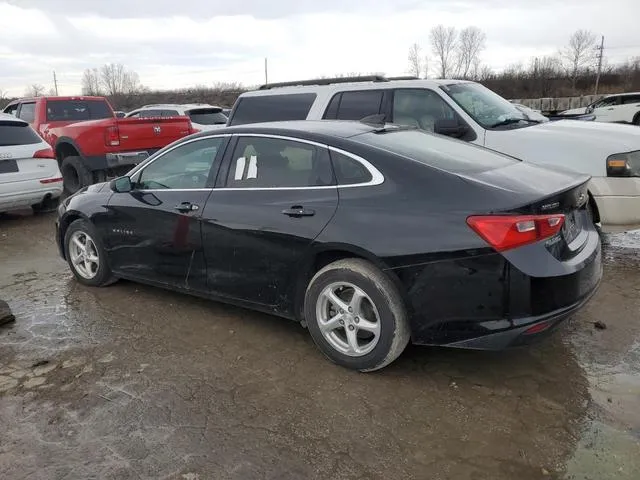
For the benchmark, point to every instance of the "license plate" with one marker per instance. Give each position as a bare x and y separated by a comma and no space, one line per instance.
8,166
571,227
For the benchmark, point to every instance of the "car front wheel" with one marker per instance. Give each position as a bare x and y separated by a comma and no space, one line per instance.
356,315
86,256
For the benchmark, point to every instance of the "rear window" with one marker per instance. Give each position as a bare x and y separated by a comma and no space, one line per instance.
272,108
453,156
207,116
12,133
77,110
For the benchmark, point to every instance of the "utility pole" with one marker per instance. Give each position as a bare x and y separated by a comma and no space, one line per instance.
599,56
55,82
266,75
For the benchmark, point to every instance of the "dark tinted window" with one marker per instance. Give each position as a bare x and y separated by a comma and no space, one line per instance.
437,151
77,110
17,134
27,112
186,166
349,171
12,109
170,113
332,109
260,162
272,108
357,105
207,116
627,99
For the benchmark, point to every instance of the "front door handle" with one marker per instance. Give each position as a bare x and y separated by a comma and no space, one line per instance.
186,207
298,211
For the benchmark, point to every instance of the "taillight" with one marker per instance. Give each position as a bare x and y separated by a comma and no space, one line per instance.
44,153
504,232
112,136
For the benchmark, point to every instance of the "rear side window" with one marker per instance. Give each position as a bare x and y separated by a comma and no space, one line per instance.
453,156
272,108
77,110
349,171
627,99
207,116
27,112
12,133
260,162
354,105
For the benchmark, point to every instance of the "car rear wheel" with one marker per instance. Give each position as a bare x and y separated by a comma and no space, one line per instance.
356,315
86,255
75,175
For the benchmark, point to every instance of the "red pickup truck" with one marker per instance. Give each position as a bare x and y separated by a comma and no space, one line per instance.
90,143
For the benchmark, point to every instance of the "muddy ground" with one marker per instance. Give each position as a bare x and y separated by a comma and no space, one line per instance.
133,382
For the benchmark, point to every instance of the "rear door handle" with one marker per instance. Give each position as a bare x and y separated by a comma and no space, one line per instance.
298,211
185,207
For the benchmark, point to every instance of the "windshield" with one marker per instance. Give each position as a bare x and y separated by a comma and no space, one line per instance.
486,107
207,116
437,151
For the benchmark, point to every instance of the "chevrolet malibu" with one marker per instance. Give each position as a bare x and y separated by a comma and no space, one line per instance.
369,235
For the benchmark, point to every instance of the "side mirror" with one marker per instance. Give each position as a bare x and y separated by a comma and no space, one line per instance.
450,127
121,185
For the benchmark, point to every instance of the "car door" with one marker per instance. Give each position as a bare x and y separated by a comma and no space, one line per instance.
153,231
605,109
275,195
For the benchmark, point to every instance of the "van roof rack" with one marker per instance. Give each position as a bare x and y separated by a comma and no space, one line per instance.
326,81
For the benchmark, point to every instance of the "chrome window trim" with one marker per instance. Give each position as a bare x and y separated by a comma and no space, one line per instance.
376,176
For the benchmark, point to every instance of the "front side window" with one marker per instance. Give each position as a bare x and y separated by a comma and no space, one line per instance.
262,162
27,112
12,109
185,167
487,108
420,108
606,102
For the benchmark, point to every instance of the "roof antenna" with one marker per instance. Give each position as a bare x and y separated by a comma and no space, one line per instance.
377,119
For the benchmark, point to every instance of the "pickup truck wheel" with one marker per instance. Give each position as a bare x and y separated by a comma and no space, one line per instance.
75,175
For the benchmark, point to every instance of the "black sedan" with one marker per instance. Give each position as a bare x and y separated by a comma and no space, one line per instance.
371,236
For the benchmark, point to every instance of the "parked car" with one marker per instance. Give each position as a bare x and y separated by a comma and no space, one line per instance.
203,116
370,235
469,111
29,174
90,143
618,108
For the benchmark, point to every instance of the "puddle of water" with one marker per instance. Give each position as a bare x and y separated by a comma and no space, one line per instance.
623,240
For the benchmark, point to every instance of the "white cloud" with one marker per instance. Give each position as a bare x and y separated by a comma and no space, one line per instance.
174,47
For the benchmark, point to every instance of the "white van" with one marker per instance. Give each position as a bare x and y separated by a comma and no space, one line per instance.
610,153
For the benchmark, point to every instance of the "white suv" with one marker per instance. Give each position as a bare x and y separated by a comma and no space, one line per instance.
203,116
620,108
610,153
29,174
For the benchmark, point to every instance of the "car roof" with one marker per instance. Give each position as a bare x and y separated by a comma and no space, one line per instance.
177,105
58,98
302,128
621,94
6,117
356,85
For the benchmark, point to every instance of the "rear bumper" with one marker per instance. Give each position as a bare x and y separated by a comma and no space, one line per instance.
123,159
618,202
19,195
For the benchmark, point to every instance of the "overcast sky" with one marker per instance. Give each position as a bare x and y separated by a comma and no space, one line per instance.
173,43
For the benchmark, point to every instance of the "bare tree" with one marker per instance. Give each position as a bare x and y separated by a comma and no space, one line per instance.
34,90
91,82
578,54
443,44
471,42
415,60
116,80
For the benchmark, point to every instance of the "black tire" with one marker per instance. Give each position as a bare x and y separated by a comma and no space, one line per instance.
103,275
636,119
46,206
394,330
75,174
